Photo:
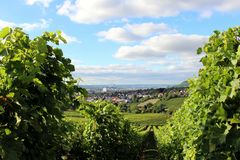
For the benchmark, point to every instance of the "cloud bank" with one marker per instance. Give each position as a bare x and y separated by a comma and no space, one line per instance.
96,11
162,46
134,32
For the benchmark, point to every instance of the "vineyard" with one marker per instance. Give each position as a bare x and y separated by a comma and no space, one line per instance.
36,87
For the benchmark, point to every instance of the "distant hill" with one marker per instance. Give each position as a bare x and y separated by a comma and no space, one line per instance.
182,84
125,86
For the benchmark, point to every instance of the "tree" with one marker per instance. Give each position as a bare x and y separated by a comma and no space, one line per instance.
35,85
157,108
148,108
134,98
133,108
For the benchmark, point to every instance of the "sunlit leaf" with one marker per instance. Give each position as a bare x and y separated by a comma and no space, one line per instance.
4,32
7,131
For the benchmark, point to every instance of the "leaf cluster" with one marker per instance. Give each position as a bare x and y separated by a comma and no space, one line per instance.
35,86
207,126
107,134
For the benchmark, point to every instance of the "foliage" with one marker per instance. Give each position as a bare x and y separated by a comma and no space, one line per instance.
207,126
72,145
159,108
133,108
107,135
122,106
35,85
135,99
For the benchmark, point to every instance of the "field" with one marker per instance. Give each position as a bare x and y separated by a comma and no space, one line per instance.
172,104
147,118
142,119
74,116
135,119
152,101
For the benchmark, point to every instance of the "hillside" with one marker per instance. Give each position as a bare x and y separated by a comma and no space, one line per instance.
171,105
151,101
182,85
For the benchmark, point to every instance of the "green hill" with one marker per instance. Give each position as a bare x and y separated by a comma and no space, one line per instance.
171,105
182,85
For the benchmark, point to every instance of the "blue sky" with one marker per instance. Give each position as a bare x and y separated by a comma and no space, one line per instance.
126,41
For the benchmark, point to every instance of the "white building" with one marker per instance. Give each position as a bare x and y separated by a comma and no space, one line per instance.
104,90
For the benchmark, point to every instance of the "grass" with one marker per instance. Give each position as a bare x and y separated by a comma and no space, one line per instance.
144,119
135,119
71,113
74,116
76,119
152,101
174,103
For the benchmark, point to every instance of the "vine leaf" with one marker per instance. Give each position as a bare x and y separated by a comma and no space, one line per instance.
4,32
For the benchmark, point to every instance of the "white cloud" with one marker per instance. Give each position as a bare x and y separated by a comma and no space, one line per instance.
147,29
119,35
229,5
161,46
66,8
32,26
43,24
148,73
206,14
70,39
113,68
96,11
135,32
168,58
44,3
6,23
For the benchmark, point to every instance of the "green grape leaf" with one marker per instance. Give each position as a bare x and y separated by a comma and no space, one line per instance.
235,87
199,50
7,131
1,109
212,147
223,97
10,95
221,113
234,62
235,119
42,45
217,32
4,32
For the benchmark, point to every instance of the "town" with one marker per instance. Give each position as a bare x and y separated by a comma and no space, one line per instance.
140,100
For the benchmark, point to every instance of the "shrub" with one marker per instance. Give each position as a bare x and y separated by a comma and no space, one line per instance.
107,134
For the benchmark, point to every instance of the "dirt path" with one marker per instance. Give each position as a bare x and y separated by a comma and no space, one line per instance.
149,151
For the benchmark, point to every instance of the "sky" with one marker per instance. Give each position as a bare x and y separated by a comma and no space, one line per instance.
126,41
